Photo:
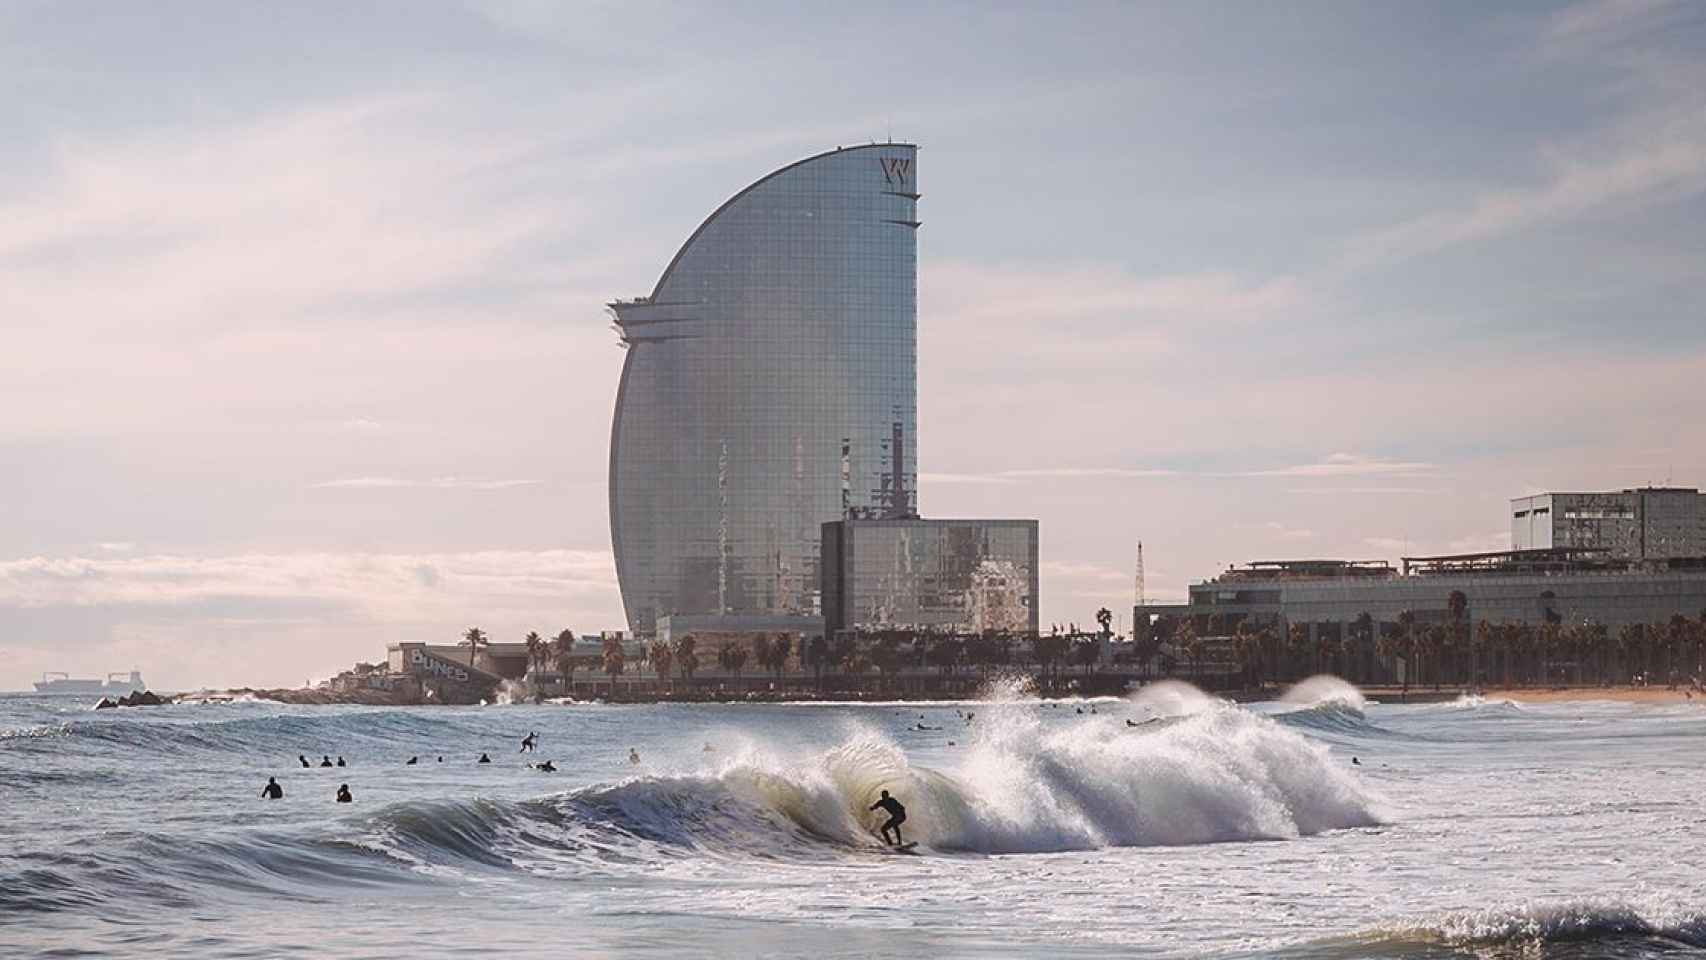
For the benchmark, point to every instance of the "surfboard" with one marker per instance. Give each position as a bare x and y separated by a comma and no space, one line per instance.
904,848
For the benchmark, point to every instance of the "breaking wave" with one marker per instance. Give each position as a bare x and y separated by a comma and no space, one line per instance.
1579,929
1023,788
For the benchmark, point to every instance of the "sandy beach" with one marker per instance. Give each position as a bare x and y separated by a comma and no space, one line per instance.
1619,694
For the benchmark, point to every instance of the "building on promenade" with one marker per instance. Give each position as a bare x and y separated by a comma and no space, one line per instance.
1558,585
911,574
1635,524
770,385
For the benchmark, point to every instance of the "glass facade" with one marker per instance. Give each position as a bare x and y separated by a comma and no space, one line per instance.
770,385
961,575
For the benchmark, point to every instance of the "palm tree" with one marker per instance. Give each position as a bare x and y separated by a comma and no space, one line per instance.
1049,649
535,645
1105,617
1363,630
474,638
687,656
944,653
731,656
1407,623
780,648
661,656
1087,649
1458,605
1484,634
1184,639
563,651
615,660
816,653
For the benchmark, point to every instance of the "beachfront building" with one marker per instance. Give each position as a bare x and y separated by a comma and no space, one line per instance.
1559,585
770,385
951,576
1634,524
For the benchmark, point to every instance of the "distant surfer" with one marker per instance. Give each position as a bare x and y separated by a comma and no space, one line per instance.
340,761
897,816
344,794
484,759
303,760
272,791
1355,762
325,760
633,755
411,761
530,742
546,767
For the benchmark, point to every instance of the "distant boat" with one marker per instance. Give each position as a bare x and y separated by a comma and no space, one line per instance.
120,683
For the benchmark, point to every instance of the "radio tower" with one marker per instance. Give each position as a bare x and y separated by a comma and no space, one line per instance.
1139,578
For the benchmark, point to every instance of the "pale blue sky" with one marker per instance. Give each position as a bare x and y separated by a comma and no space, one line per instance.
305,300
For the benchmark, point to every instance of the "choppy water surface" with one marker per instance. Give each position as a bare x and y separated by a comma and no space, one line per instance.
1470,829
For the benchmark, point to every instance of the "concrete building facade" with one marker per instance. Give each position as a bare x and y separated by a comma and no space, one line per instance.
1635,524
1518,587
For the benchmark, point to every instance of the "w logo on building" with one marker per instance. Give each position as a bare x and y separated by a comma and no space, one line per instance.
895,169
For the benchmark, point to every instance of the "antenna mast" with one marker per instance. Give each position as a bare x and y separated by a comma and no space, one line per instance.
1139,578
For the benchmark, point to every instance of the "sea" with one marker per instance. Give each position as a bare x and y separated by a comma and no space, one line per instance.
1166,824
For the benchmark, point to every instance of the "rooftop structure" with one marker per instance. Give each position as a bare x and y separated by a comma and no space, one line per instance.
1639,523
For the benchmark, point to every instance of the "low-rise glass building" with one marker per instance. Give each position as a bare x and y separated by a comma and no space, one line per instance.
949,575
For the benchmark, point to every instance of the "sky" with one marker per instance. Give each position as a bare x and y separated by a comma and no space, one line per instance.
302,304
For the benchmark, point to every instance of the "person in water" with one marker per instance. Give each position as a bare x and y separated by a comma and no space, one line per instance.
272,791
484,759
411,761
546,767
303,760
633,755
530,742
897,816
340,761
325,760
344,795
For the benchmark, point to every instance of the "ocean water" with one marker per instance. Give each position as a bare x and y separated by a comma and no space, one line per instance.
1471,829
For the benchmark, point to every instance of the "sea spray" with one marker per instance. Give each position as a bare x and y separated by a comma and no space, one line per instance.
1022,788
1325,688
1174,698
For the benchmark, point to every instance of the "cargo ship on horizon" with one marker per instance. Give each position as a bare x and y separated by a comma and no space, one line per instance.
118,682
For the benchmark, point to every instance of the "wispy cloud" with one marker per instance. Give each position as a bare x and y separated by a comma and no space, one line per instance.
1358,491
400,587
1347,465
437,483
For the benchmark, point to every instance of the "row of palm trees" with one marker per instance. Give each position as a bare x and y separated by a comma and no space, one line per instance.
1441,651
852,654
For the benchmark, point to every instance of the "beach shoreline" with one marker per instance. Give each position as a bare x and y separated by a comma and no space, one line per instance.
1604,694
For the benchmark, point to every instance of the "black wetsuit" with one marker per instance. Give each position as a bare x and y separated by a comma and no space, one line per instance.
528,742
344,795
272,791
897,816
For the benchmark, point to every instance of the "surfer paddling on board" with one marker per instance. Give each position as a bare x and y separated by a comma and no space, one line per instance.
897,816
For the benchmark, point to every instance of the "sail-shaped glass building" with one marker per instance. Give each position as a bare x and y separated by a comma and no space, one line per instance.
770,386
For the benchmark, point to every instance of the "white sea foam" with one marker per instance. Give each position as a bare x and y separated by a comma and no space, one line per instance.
1174,698
1324,688
1026,786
